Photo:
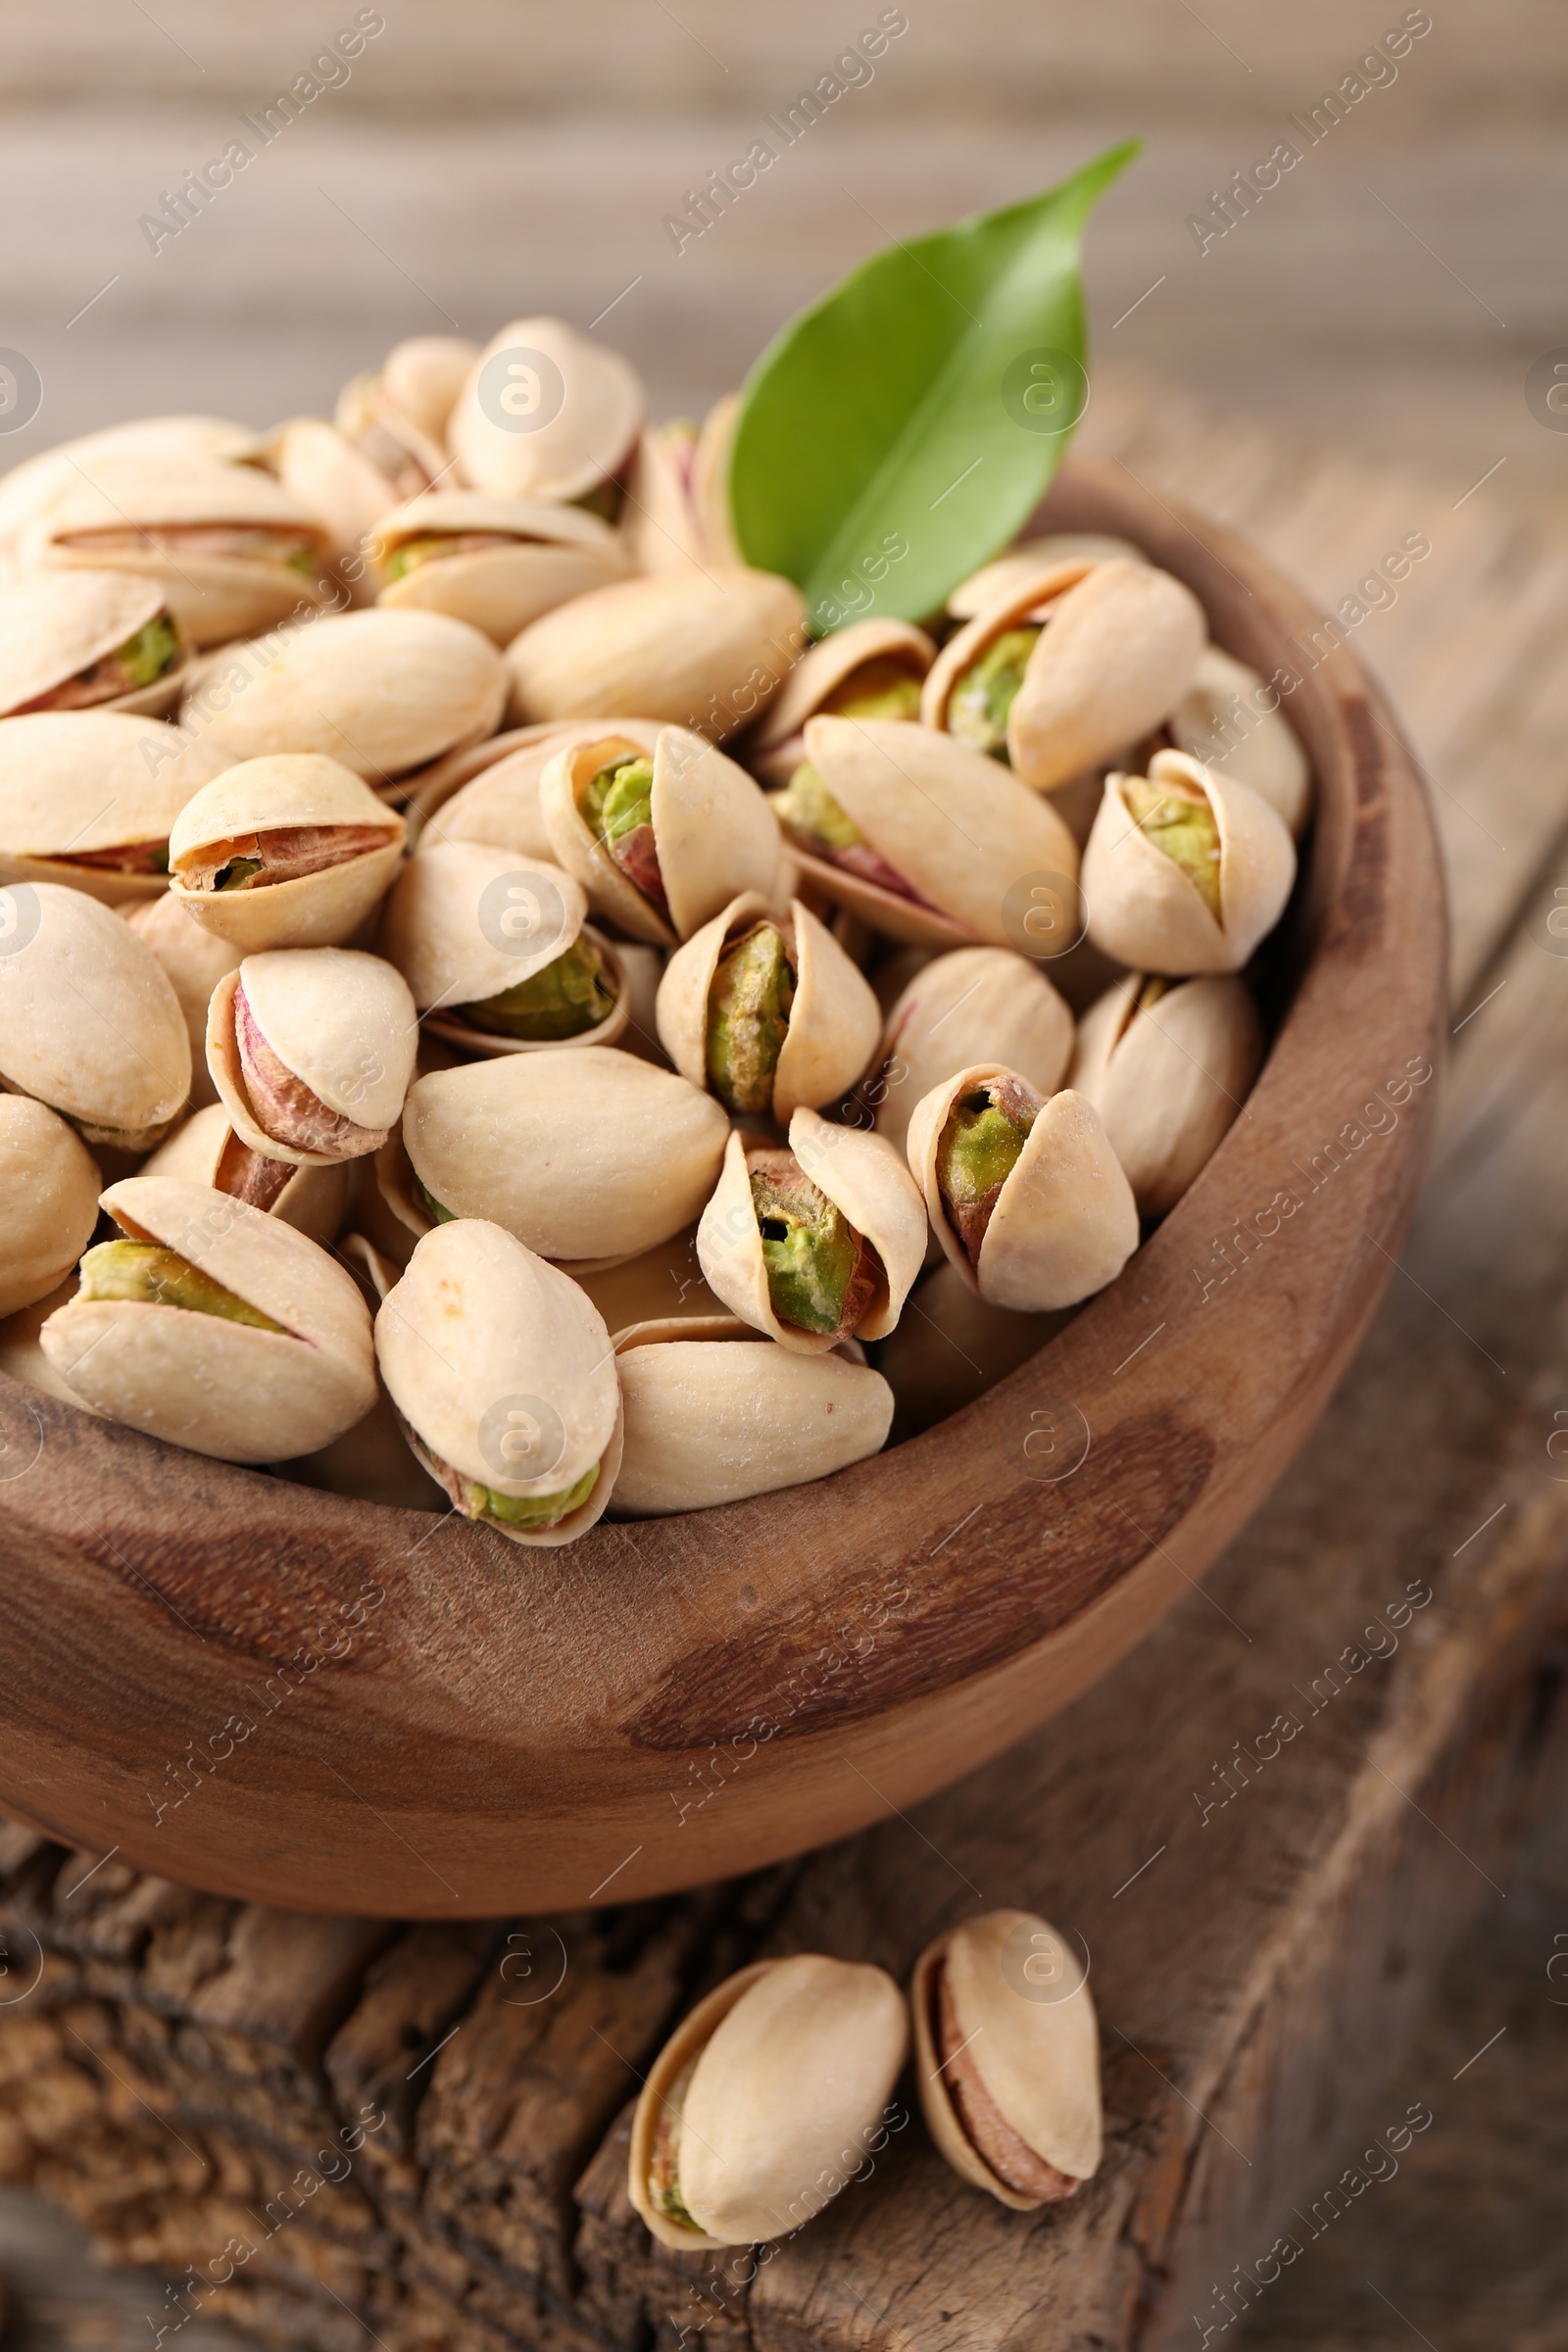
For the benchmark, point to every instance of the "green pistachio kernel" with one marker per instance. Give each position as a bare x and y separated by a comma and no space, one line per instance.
620,797
809,1249
984,696
567,997
527,1510
747,1014
433,1208
979,1148
1178,819
412,553
237,873
882,688
663,2173
148,653
303,559
153,1276
808,807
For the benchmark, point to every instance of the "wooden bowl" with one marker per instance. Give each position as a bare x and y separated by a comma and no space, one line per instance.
297,1699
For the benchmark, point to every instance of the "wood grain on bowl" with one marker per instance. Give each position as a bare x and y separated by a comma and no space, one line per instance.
297,1699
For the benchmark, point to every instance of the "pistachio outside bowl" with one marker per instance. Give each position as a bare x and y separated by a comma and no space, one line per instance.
295,1698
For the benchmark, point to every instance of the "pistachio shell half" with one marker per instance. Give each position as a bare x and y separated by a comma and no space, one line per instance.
205,1150
311,1051
396,417
503,1372
89,797
215,1327
292,852
1026,1196
556,421
957,1010
1186,870
1007,2054
195,960
1224,719
994,583
871,669
49,1184
422,377
88,1020
495,563
716,1412
89,641
766,2100
1167,1065
661,526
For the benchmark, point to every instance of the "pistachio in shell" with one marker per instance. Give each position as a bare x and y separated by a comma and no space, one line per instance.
958,1006
1007,2055
1226,718
32,488
311,1051
1187,871
546,413
89,641
205,1150
49,1184
766,1012
871,669
287,852
491,790
502,1371
495,563
766,2101
195,960
1024,1192
396,415
422,377
215,1327
332,477
716,1412
1168,1066
996,581
89,797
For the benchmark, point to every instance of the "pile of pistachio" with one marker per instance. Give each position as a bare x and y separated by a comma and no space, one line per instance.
485,1000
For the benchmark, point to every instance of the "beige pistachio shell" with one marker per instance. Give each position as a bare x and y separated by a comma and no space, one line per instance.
1223,720
996,583
1031,594
21,1355
55,625
706,650
586,1155
76,783
504,1370
49,1184
715,441
205,1150
1168,1081
660,528
32,488
506,808
795,2062
195,960
1146,912
958,828
707,1424
587,397
333,479
267,794
341,1021
833,1023
864,1178
777,748
553,554
1065,1221
423,376
200,1380
90,1024
1037,2059
959,1009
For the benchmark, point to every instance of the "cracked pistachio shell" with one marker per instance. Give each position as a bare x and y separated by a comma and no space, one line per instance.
383,693
714,832
973,1002
1168,1081
467,920
268,794
55,624
1037,2060
708,1424
205,1150
865,1179
195,960
1146,912
699,649
778,745
795,2063
833,1021
491,792
1065,1221
551,554
333,480
995,583
587,400
73,783
32,488
422,377
587,1154
49,1184
341,1021
958,827
660,528
476,1325
199,1380
1222,720
90,1023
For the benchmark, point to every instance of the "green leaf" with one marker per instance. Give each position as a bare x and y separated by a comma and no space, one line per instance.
896,435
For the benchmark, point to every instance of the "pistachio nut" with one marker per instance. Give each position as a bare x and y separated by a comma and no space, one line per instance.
230,552
497,953
952,1347
1024,1192
994,582
29,489
382,692
311,1196
814,1241
917,833
544,412
589,1156
312,1052
766,1012
871,669
716,1412
495,563
195,960
290,852
973,1002
89,797
661,526
90,1024
1168,1064
89,641
706,650
21,1357
422,377
503,1376
766,2100
660,841
49,1185
710,463
333,478
1007,2053
215,1327
491,792
1224,719
1118,642
396,417
1186,870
